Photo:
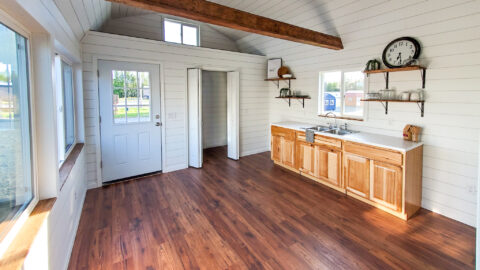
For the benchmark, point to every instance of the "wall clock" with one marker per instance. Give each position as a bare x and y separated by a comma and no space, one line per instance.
401,52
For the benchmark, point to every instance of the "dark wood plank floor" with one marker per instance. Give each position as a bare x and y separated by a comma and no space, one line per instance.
250,214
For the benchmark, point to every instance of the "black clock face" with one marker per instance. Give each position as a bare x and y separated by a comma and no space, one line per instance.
400,52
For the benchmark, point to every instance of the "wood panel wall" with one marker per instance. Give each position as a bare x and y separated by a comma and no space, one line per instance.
176,59
449,32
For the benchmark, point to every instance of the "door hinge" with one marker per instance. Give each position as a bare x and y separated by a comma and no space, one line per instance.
100,119
98,73
101,164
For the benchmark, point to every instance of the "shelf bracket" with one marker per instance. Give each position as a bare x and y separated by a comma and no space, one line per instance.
387,77
421,106
302,101
423,73
385,105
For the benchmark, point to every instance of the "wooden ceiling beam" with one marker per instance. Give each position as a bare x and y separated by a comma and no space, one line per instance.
213,13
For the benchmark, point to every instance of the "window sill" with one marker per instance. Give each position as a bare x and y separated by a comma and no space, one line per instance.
342,117
69,163
15,255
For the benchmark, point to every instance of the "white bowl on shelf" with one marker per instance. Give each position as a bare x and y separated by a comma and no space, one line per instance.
287,76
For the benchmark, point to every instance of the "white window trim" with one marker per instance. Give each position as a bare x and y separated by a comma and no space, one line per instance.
182,23
320,107
10,22
62,155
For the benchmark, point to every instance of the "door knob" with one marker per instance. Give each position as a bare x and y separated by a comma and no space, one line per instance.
158,124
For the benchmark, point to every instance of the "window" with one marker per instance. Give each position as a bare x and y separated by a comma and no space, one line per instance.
179,32
131,96
341,93
16,181
66,108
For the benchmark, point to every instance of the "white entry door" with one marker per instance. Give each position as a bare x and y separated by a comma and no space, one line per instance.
130,119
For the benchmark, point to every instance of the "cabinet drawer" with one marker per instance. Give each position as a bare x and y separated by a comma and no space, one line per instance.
283,132
375,153
320,140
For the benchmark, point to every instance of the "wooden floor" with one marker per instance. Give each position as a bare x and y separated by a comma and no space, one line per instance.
251,214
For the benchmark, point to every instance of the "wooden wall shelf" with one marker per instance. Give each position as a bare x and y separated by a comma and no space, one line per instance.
301,99
386,72
277,81
420,103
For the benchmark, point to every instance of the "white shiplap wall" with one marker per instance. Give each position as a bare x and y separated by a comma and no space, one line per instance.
84,15
214,112
150,26
175,59
449,32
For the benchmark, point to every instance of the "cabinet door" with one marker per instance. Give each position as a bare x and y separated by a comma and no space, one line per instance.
306,158
275,148
328,165
357,174
386,185
287,150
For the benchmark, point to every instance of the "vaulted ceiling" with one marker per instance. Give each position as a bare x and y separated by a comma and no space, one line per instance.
84,15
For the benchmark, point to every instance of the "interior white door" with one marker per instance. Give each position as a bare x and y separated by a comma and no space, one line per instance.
194,92
233,112
130,122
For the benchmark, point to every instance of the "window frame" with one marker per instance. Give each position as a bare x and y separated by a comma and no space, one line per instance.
17,224
321,100
151,120
59,92
182,23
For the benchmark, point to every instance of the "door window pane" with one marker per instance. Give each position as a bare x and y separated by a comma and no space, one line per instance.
354,88
173,31
131,97
189,35
331,91
15,157
132,114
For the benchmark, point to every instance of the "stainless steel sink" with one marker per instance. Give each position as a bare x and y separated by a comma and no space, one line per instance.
319,128
340,131
336,131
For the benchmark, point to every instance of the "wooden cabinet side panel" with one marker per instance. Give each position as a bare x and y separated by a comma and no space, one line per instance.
413,180
276,142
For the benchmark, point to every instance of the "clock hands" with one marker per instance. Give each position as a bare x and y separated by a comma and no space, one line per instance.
399,57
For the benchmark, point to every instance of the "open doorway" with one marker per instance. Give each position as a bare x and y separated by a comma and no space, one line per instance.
214,109
213,113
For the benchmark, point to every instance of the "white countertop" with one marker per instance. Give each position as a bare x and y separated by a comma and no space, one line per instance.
385,141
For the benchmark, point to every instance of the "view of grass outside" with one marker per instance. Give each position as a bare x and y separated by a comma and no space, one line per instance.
131,96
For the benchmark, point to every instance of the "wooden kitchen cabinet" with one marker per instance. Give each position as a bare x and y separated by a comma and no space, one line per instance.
283,146
306,158
388,179
386,185
287,149
319,161
329,165
357,174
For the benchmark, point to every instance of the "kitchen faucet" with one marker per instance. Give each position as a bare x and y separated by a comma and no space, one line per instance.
334,116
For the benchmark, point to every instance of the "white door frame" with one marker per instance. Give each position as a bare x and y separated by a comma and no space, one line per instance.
98,148
209,68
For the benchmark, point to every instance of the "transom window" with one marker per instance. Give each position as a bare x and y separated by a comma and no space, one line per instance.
180,32
131,96
341,93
